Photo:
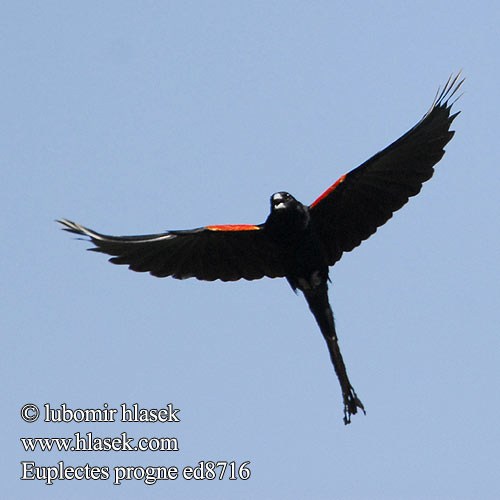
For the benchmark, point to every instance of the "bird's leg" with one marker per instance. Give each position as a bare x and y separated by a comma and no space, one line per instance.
351,400
318,303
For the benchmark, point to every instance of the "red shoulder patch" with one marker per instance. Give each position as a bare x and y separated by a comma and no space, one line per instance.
328,191
233,227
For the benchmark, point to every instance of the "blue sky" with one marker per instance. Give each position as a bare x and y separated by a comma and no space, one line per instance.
136,117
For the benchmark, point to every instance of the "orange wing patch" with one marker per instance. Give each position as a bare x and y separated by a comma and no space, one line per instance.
328,191
233,227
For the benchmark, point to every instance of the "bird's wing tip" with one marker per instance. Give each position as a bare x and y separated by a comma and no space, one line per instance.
443,96
452,86
68,225
74,227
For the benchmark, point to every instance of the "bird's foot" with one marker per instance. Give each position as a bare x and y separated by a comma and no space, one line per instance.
351,405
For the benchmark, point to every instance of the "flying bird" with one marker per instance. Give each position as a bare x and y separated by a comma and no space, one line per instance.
299,242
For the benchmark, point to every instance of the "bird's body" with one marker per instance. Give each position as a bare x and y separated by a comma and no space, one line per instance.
297,241
289,228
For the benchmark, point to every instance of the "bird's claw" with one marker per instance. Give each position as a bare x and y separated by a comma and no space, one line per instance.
351,405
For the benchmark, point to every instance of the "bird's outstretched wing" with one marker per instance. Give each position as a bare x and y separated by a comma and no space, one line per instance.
228,253
364,199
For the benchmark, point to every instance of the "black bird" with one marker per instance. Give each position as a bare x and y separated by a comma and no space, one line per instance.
297,241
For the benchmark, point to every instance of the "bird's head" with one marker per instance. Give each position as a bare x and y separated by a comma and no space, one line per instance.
287,212
283,201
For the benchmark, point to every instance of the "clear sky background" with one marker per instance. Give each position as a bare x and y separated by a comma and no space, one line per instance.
136,117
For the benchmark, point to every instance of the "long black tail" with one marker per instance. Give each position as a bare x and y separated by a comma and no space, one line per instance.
318,303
